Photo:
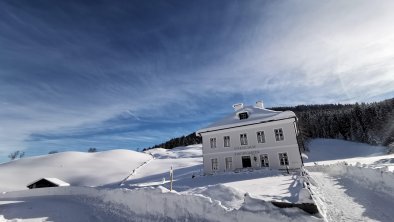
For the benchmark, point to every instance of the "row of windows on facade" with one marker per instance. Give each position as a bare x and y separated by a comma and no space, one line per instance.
244,138
283,160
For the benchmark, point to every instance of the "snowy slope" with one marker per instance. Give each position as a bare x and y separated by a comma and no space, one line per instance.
332,149
178,152
186,162
76,168
351,181
222,197
352,193
225,197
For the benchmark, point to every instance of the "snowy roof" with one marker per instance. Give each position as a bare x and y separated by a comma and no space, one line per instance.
255,115
56,181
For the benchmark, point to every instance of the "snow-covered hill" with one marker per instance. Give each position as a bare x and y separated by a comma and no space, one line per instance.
76,168
333,149
145,177
178,152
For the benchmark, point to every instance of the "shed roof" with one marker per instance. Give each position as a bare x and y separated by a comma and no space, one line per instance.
53,180
256,115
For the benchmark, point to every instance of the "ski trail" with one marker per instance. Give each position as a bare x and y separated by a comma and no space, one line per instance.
135,170
341,199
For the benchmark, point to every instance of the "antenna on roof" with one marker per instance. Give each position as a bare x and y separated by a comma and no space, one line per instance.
238,106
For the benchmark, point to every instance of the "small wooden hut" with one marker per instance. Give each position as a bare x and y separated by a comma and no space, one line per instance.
47,182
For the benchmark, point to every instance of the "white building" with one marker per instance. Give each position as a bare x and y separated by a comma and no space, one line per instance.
251,137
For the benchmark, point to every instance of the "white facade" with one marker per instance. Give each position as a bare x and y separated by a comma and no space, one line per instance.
264,139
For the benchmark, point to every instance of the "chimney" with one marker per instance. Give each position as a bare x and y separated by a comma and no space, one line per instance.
260,104
238,106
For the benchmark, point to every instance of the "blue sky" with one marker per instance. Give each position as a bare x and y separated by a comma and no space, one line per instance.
131,74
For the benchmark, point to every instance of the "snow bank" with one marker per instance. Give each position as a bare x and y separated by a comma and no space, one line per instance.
373,179
229,197
150,204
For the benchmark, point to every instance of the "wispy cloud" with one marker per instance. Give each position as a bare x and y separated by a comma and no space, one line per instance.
73,73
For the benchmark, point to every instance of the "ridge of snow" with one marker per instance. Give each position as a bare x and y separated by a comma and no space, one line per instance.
171,206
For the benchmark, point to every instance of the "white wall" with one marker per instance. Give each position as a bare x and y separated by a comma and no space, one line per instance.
254,149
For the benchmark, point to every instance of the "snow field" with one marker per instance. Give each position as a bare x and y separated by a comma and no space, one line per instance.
342,199
190,151
144,205
383,162
333,149
351,181
75,168
144,195
374,179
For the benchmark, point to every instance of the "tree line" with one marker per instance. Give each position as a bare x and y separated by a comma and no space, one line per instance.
371,123
179,141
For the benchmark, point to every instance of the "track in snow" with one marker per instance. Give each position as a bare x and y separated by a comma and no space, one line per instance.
341,199
135,170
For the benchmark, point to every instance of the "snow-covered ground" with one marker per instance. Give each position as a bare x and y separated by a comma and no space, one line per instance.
134,186
76,168
179,152
145,204
123,185
353,193
353,183
332,149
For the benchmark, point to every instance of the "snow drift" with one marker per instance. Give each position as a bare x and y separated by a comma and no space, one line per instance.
373,179
144,205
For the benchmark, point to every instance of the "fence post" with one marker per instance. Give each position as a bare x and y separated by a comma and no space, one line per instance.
171,176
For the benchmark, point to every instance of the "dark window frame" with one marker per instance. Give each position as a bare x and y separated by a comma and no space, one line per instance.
279,135
283,159
260,137
243,139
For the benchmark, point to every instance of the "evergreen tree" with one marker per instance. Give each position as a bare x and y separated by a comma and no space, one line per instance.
371,123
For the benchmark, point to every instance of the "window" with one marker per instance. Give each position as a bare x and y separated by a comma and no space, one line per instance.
213,142
279,134
283,159
260,137
244,139
229,163
264,160
226,141
243,115
215,165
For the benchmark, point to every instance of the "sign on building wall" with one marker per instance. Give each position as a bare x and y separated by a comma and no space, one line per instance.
247,153
244,147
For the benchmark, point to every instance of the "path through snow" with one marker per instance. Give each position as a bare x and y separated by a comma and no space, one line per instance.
135,170
341,199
